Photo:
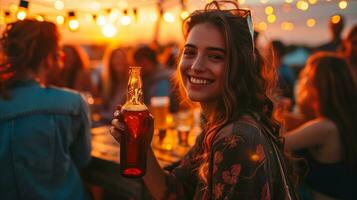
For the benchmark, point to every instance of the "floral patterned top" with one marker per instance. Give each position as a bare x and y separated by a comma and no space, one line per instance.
238,168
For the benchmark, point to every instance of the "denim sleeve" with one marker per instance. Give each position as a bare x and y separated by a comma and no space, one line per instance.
81,147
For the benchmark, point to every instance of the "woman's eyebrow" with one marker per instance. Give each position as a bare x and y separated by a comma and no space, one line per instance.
216,49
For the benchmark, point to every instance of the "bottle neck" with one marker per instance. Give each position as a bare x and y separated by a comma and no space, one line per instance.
135,92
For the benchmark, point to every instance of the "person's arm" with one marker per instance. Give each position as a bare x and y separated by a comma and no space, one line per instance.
81,146
312,133
238,167
154,178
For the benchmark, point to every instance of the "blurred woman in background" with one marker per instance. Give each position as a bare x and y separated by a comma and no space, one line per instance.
75,73
326,95
45,131
350,50
114,81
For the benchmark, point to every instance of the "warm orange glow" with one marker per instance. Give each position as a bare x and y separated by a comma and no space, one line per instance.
302,5
271,18
311,22
101,20
269,10
125,20
13,8
73,24
40,18
287,26
312,2
109,30
184,14
286,7
60,19
264,1
169,17
335,19
241,2
262,26
21,14
254,157
343,5
114,15
289,1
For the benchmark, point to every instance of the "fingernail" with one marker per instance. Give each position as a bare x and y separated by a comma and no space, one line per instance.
116,113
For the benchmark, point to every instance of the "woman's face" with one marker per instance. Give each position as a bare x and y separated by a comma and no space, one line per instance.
119,62
202,63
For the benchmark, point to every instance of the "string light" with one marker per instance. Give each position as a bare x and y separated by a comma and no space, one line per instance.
114,15
271,18
109,30
101,20
169,17
302,5
287,26
311,22
59,5
126,19
289,1
335,19
73,23
60,20
312,2
269,10
262,26
343,5
22,11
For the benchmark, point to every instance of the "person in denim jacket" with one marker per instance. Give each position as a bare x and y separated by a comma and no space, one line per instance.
44,131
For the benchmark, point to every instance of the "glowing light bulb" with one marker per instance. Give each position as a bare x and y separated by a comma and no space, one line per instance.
335,19
262,26
169,17
73,24
269,10
109,30
302,5
125,20
21,14
59,5
312,2
311,22
60,19
101,20
343,5
271,18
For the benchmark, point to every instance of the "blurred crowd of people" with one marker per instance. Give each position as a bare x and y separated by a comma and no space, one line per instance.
317,101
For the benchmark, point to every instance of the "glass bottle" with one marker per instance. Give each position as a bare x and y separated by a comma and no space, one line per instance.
134,145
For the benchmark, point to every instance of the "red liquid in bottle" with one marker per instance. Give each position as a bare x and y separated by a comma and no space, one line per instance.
134,145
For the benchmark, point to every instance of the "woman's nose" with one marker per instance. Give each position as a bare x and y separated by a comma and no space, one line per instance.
198,64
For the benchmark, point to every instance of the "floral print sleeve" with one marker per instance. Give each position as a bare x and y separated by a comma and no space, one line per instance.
238,170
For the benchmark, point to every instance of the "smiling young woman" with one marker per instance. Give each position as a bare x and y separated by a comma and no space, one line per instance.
221,70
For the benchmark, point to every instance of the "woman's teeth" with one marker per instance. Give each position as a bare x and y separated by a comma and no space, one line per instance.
199,81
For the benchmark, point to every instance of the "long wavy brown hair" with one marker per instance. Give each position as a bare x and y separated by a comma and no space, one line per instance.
336,96
25,44
248,82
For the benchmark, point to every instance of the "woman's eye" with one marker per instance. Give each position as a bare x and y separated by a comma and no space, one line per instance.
188,52
216,57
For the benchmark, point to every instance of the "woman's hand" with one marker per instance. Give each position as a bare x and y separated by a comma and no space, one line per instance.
119,127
